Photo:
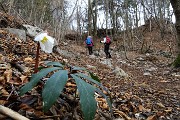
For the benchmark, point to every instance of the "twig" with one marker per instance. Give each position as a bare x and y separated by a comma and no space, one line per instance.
13,90
6,111
46,117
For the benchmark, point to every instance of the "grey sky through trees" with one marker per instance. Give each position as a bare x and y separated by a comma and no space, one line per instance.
82,6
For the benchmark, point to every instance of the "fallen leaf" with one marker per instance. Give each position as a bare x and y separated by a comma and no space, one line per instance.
4,92
160,113
8,75
163,81
2,102
1,57
2,80
161,105
4,67
120,113
26,107
28,59
141,108
105,92
105,106
65,60
70,85
153,117
23,79
168,110
100,99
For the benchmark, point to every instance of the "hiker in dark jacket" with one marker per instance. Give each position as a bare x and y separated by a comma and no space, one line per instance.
107,42
89,44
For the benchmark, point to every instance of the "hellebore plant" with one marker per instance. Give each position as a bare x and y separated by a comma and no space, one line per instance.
88,85
46,43
58,75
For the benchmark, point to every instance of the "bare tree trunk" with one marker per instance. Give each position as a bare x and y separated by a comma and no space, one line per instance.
106,11
112,17
176,7
78,21
95,19
94,15
89,17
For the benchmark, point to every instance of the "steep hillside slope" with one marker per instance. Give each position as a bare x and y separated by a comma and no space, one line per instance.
144,86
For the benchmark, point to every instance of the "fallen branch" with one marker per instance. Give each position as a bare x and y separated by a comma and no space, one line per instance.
11,113
18,66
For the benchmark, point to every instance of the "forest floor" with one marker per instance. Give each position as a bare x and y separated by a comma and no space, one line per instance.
142,85
150,87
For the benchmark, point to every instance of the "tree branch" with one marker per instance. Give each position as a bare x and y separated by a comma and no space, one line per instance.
6,111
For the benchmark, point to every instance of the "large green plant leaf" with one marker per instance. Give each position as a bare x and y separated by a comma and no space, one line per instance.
93,81
98,90
53,88
57,64
36,78
78,68
87,99
107,99
89,78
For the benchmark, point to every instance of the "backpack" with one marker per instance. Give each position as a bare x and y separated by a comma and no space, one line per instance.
88,41
108,40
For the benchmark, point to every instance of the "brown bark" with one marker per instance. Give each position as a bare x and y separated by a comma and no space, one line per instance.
176,7
89,17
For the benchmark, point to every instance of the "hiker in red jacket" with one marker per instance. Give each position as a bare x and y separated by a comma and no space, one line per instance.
89,44
107,42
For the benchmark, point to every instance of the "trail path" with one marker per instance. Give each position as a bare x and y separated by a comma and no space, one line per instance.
144,80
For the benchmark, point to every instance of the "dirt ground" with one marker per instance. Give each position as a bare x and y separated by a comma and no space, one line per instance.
158,92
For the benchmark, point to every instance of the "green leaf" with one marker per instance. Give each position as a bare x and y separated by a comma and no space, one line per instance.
94,77
57,64
77,68
88,78
98,90
53,88
35,78
87,100
108,101
40,68
92,80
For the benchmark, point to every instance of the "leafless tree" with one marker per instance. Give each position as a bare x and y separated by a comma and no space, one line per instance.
176,7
